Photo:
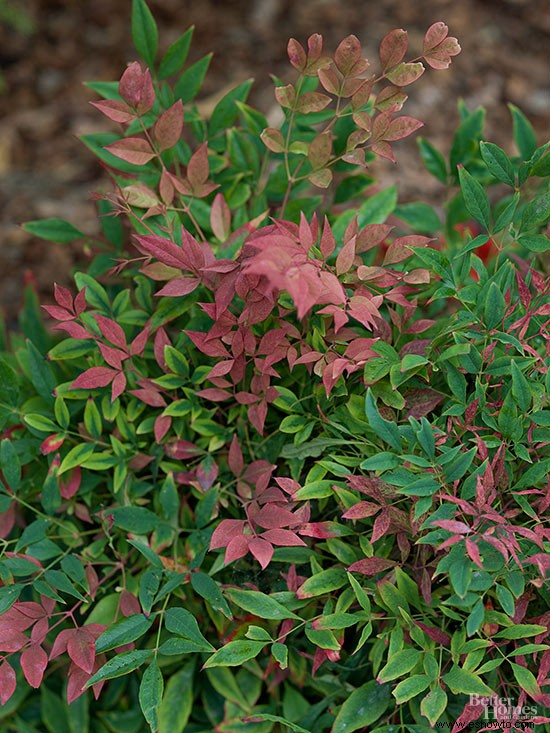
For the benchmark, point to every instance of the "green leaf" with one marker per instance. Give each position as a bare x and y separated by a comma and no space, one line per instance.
293,423
535,242
463,682
206,587
144,32
54,230
495,306
520,631
362,708
234,654
526,680
181,622
434,705
377,207
524,135
10,463
506,600
475,619
386,430
324,582
280,654
383,461
76,457
460,465
411,687
506,216
120,665
433,160
259,604
498,163
360,593
399,664
148,587
8,595
176,55
41,423
226,111
190,82
175,708
42,374
9,384
520,388
475,198
135,519
123,632
59,581
150,694
421,217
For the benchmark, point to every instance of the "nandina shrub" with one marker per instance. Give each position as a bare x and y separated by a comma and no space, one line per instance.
287,467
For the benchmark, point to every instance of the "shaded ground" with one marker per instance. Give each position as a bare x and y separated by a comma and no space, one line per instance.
46,171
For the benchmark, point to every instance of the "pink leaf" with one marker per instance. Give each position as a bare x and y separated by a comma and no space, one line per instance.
393,48
129,604
34,661
273,516
436,33
347,54
402,127
451,525
138,344
214,394
405,74
168,127
226,530
115,110
262,551
182,450
296,54
381,525
8,681
134,150
52,443
372,565
94,377
345,258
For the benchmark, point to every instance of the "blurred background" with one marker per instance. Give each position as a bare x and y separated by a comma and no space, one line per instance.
48,48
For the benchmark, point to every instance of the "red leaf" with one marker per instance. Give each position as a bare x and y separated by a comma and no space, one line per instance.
130,84
198,167
118,386
371,565
129,604
473,552
451,525
112,331
138,344
8,681
182,449
7,520
393,48
112,356
149,396
347,54
272,516
73,329
63,297
296,54
69,488
226,530
52,443
381,525
345,258
168,127
134,150
81,649
235,457
214,394
262,551
11,640
220,218
161,340
162,426
34,661
361,510
94,377
179,286
236,548
163,250
402,127
115,110
59,314
282,537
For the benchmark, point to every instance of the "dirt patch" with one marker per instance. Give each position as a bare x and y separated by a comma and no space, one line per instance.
56,46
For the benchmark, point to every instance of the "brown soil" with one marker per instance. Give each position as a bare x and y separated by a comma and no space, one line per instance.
46,171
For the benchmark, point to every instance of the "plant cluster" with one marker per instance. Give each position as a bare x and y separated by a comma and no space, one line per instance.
286,465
